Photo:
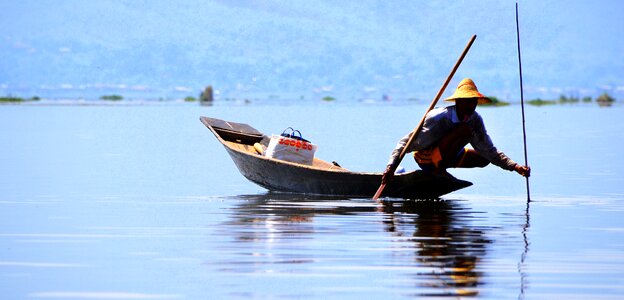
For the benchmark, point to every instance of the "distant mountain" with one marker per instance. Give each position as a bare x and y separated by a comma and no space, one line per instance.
358,49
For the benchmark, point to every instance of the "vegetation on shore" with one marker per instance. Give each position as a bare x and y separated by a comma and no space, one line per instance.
496,102
603,100
12,99
541,102
111,97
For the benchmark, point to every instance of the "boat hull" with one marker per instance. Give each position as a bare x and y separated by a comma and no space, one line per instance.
281,176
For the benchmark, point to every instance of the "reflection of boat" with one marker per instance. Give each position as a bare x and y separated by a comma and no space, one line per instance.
320,178
438,248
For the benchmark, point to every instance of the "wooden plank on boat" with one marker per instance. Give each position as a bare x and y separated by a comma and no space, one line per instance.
232,131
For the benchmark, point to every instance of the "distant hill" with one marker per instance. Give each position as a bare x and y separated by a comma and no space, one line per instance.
159,48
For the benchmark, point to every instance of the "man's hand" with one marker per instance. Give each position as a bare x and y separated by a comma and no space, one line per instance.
387,175
523,170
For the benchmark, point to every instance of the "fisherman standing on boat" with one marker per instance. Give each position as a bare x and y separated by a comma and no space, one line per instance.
441,141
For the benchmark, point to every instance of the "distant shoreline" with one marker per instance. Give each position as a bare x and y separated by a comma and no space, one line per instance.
260,101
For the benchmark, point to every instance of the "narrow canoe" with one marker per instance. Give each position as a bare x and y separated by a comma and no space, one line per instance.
322,177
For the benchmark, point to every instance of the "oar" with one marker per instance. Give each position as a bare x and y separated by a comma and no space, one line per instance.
414,133
526,163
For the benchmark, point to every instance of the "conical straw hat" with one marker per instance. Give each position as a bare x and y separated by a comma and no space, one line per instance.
467,89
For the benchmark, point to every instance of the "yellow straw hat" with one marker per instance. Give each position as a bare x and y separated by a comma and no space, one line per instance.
467,89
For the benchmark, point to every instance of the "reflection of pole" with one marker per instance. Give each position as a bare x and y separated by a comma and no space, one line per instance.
523,276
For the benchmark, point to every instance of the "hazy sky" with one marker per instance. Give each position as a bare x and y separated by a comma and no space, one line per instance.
360,48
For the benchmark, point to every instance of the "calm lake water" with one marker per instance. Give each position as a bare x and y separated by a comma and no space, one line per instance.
142,202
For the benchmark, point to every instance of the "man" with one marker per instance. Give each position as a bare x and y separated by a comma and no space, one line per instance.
441,140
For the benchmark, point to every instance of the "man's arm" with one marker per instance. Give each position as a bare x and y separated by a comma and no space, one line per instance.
482,143
392,161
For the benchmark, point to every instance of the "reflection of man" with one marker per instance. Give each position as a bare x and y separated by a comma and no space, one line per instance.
441,140
444,245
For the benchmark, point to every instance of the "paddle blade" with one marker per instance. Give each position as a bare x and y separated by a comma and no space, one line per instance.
379,191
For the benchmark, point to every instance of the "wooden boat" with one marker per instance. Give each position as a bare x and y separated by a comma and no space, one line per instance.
322,177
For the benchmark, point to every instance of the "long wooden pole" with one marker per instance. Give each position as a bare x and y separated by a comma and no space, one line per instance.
414,133
526,162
